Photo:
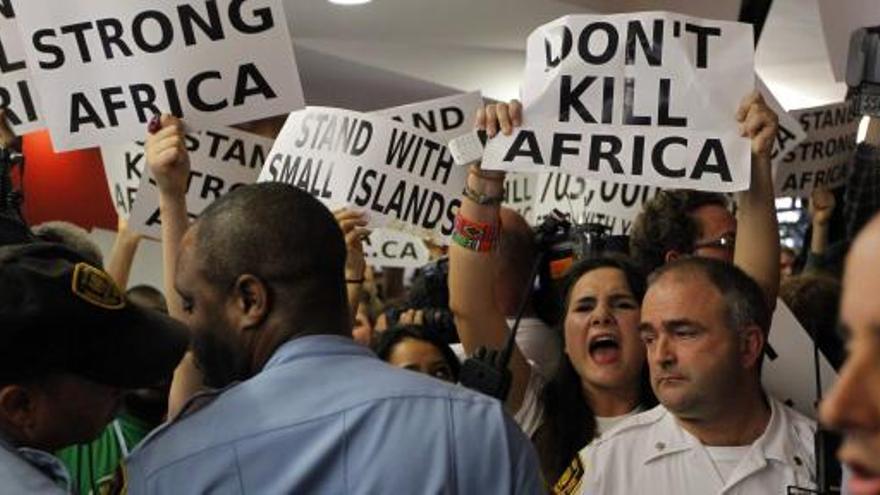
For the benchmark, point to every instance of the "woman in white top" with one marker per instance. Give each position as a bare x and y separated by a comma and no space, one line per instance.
602,372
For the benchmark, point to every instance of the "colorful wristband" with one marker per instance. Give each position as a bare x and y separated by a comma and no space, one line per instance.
476,236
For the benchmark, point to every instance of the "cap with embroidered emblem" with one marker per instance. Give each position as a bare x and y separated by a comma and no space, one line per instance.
60,314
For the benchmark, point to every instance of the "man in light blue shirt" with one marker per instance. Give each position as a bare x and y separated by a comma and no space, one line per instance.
261,280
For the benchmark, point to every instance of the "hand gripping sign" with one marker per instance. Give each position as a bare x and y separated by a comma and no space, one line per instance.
645,99
103,68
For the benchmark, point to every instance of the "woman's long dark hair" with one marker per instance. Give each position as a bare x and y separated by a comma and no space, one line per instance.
569,422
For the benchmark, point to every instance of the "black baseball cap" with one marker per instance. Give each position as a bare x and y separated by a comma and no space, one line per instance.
58,313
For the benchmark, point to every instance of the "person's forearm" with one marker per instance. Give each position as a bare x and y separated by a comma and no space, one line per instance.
819,240
757,243
472,274
122,257
353,289
186,383
175,221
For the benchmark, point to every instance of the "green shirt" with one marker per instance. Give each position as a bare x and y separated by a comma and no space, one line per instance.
103,454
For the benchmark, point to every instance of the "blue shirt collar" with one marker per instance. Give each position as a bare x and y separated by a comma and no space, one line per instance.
316,345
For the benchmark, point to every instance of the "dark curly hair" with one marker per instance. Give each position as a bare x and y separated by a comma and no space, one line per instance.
666,224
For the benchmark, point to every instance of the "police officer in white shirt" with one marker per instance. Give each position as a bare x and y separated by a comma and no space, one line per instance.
705,325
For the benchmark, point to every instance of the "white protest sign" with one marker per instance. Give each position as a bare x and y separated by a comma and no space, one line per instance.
789,370
635,98
839,20
444,118
393,249
790,133
103,68
402,177
220,161
825,157
17,94
611,204
124,166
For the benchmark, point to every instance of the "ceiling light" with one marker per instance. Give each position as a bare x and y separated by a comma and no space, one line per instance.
349,2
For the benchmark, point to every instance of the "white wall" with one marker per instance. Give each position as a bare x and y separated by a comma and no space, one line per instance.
147,267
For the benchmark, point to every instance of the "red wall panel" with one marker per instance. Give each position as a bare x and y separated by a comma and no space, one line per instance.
67,186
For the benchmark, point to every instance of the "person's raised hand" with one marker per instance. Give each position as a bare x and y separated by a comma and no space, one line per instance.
167,156
353,224
758,123
822,204
503,116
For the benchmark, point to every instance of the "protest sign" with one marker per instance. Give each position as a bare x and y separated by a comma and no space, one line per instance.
789,369
611,204
393,249
825,157
17,93
124,167
402,177
220,161
520,194
443,118
105,67
645,99
790,133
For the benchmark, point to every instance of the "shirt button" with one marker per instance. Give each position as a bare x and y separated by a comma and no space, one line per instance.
660,446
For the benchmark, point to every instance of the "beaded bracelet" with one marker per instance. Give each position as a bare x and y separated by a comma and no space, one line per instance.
476,236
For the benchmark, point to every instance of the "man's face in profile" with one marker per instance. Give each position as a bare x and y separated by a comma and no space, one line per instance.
216,344
853,406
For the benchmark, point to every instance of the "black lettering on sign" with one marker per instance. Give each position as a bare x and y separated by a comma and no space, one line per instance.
783,136
417,155
611,37
249,83
24,96
702,33
554,59
6,9
7,65
652,50
309,174
132,171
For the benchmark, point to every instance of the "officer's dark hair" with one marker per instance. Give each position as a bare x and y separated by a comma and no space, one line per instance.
569,420
666,223
386,341
287,239
744,301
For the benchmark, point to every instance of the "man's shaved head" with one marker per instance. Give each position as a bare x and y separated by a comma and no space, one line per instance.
282,235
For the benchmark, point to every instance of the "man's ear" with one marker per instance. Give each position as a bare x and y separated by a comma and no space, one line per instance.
752,341
17,405
671,255
251,301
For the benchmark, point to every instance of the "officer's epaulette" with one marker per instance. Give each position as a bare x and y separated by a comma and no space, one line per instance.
637,422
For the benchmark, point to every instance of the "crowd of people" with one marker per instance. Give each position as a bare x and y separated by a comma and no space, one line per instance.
275,360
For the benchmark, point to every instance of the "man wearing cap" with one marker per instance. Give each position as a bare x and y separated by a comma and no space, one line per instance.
302,407
70,344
